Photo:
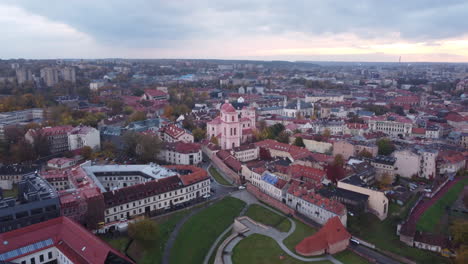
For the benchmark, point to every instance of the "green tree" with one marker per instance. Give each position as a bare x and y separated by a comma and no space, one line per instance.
385,146
283,137
86,152
148,147
299,142
199,134
137,116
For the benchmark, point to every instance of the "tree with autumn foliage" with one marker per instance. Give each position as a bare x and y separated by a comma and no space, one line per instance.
335,170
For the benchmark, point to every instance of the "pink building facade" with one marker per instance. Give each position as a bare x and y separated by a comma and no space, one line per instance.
233,127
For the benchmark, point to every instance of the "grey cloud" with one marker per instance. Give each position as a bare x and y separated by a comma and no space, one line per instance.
161,23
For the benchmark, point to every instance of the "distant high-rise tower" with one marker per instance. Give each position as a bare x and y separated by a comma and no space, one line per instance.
68,74
23,75
50,76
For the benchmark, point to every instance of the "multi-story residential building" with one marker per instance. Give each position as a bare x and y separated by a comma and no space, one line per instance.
352,148
297,108
416,161
58,240
37,201
246,152
393,125
61,163
181,153
232,127
384,165
273,186
173,133
68,74
449,161
377,202
57,179
314,143
22,117
50,76
154,94
57,137
112,192
283,150
81,136
314,206
24,75
335,127
324,98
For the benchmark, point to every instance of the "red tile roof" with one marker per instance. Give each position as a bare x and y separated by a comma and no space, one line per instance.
295,151
154,92
77,243
331,233
298,171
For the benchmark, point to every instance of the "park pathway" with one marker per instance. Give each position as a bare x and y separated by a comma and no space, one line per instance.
278,236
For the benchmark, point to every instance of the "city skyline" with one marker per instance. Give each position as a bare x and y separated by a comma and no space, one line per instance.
418,31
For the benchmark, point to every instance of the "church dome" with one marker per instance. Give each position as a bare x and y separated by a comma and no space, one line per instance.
227,108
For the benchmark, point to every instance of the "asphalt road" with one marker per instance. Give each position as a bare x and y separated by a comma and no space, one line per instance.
380,258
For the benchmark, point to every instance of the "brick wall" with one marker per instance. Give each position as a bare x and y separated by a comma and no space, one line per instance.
219,164
269,200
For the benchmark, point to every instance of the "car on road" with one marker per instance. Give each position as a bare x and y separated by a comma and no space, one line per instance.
355,241
241,187
206,196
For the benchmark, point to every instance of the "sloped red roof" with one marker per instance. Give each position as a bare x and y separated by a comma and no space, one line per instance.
331,233
77,243
298,171
154,92
419,130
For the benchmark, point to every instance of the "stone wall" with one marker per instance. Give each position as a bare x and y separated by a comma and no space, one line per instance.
269,200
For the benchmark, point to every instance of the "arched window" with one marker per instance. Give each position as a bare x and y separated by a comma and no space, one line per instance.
232,118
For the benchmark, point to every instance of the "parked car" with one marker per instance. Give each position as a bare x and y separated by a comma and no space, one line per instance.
355,241
241,187
206,196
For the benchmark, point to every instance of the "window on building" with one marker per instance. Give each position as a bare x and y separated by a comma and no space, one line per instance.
33,261
41,258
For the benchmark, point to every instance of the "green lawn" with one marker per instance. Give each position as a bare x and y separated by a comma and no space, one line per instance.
220,179
349,257
166,225
119,243
430,219
265,216
259,249
11,193
154,254
383,235
302,231
201,230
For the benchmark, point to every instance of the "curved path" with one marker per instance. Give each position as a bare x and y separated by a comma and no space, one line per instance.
270,232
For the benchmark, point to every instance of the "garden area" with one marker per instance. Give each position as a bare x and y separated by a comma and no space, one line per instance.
259,249
201,231
430,220
383,234
267,217
220,179
152,253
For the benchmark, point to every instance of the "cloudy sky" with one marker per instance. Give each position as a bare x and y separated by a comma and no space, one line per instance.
337,30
